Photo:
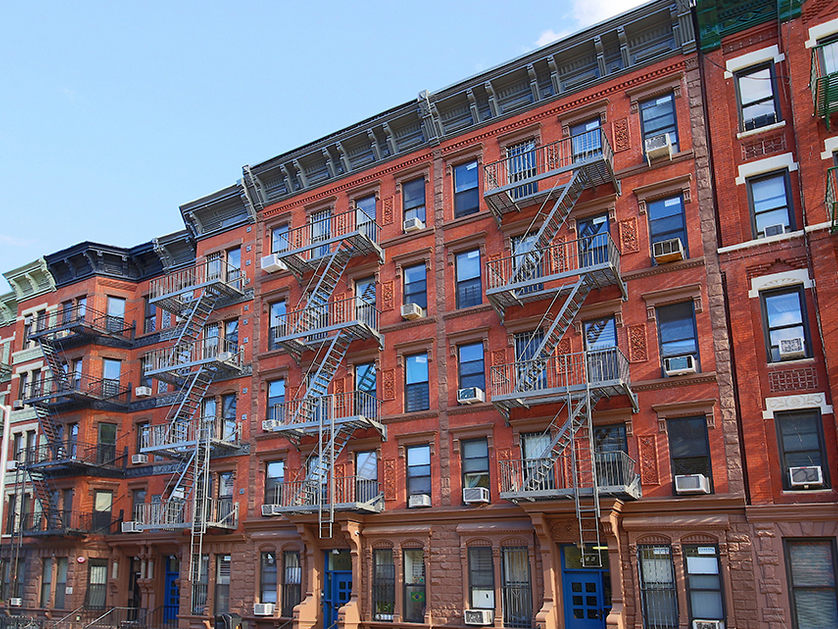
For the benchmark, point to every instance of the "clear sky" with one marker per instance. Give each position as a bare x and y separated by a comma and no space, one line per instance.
113,114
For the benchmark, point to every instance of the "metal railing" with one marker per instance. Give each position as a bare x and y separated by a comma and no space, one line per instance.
831,197
180,433
73,452
565,371
332,314
207,272
824,85
565,258
71,318
74,384
327,407
193,353
318,232
174,513
613,469
347,490
528,166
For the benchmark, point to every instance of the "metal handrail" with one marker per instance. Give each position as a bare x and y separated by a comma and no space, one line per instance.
347,490
613,469
67,384
340,225
327,407
72,452
205,272
312,318
174,434
175,512
77,315
193,352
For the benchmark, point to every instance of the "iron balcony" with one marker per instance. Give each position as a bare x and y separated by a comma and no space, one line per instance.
178,439
175,291
296,418
347,493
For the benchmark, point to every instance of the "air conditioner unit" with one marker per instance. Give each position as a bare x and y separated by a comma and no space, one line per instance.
412,225
774,230
139,459
225,356
412,311
806,476
658,146
470,395
708,624
692,484
478,616
270,510
792,348
269,425
17,405
475,494
178,493
131,527
263,609
670,250
11,466
419,500
142,392
272,264
679,365
15,602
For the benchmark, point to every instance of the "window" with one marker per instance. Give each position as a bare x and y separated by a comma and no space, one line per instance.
522,263
414,585
274,476
97,583
413,203
11,516
704,583
471,369
521,165
418,470
526,350
292,573
770,204
279,239
276,400
320,227
60,582
150,319
365,216
30,455
469,289
277,325
229,424
758,104
517,589
811,570
366,476
106,444
688,446
383,584
657,116
586,139
72,439
601,344
415,285
610,446
466,192
234,264
800,437
111,370
481,578
268,578
475,461
222,583
666,221
145,367
657,587
676,328
76,367
23,386
226,481
46,581
539,472
137,502
201,588
231,335
417,387
784,314
365,311
28,329
115,321
102,507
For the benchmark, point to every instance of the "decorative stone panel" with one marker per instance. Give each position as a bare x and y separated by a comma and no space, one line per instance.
629,241
622,140
648,460
638,352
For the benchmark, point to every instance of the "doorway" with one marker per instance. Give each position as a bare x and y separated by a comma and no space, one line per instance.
171,596
337,583
586,591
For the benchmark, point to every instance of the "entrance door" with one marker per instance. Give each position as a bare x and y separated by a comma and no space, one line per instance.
337,584
171,597
586,592
134,594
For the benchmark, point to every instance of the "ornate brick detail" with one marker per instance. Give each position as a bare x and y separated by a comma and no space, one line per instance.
387,302
387,211
763,146
564,346
504,454
339,386
499,357
793,379
558,256
622,142
648,460
637,343
778,266
629,242
388,384
340,470
389,479
563,531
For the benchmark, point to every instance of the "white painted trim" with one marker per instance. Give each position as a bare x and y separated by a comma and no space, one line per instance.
758,242
779,280
772,53
819,31
767,165
770,127
796,402
830,145
818,227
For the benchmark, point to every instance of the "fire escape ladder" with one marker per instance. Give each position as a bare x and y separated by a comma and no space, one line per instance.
316,304
201,507
50,428
194,316
329,358
584,473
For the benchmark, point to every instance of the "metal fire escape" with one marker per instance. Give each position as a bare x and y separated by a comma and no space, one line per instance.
546,267
323,327
190,364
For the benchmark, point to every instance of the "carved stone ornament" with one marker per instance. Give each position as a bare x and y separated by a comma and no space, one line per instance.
629,241
388,384
648,460
622,141
387,211
637,343
387,300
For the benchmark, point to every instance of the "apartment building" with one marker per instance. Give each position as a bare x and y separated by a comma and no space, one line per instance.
466,362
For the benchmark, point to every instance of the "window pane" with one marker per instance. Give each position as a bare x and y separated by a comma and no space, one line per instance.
657,116
466,193
415,286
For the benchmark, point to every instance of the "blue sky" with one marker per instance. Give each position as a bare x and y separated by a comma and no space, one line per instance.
113,114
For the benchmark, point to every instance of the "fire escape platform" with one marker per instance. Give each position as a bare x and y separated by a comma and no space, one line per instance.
73,459
311,339
351,493
179,441
177,515
308,258
79,327
76,392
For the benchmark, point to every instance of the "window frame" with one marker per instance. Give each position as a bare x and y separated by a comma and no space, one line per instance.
273,481
816,417
790,225
277,322
643,587
486,580
644,104
412,583
687,548
414,481
675,421
656,236
462,285
411,406
279,237
482,464
464,205
767,329
464,377
745,73
267,593
413,296
696,354
787,544
411,208
383,595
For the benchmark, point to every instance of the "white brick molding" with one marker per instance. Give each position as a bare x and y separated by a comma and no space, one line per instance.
772,53
767,165
819,31
796,403
779,280
830,145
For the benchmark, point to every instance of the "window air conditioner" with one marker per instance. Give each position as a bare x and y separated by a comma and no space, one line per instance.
142,392
11,466
139,459
692,484
272,264
419,500
270,510
470,395
806,476
478,616
17,405
15,602
679,365
658,146
131,527
475,494
668,251
774,230
225,356
708,624
263,609
269,425
412,225
412,311
792,348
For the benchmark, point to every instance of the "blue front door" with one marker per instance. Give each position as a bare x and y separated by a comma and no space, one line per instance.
171,597
337,584
586,592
